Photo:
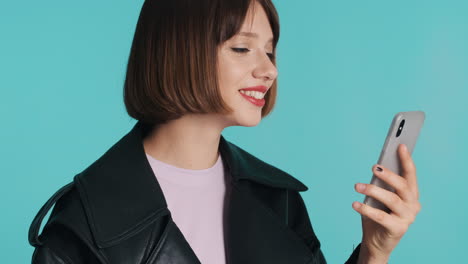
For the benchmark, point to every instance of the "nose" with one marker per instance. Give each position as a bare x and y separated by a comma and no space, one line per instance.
265,69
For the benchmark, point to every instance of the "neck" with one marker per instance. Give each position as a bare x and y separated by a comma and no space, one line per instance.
190,142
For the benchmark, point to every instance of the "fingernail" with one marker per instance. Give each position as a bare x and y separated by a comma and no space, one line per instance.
356,205
360,187
405,148
379,169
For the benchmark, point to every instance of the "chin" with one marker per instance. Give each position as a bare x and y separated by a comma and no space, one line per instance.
244,115
249,119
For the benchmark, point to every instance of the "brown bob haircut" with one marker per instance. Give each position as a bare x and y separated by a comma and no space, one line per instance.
172,66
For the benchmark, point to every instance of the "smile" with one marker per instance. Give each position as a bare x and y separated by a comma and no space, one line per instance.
254,97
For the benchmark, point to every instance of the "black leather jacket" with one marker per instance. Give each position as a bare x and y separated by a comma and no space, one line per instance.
115,212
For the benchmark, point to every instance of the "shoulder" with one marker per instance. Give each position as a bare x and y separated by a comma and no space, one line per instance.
66,235
66,212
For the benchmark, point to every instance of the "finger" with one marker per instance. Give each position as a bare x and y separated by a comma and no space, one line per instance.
396,181
408,167
389,199
377,215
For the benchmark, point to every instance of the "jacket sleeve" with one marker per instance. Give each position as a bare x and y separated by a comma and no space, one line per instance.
299,221
57,243
354,256
43,255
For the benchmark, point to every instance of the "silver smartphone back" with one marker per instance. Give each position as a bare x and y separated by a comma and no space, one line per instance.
404,129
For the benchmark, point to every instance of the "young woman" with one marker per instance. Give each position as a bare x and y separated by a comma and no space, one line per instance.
173,189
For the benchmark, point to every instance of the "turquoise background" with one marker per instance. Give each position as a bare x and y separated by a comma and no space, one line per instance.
345,68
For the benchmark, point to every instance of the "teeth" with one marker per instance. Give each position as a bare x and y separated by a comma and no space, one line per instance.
254,94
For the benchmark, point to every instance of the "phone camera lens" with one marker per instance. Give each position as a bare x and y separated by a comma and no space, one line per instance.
400,128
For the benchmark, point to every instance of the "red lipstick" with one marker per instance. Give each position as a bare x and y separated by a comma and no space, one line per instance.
253,100
261,88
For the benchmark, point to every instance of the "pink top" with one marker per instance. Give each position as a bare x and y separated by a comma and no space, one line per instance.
195,199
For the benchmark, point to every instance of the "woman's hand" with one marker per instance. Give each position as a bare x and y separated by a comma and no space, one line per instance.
383,231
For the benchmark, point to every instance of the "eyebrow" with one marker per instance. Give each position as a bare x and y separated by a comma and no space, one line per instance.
252,35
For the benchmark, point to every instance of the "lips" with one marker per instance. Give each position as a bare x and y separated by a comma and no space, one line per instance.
253,100
261,88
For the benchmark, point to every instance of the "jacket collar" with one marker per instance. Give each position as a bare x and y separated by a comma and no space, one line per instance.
121,194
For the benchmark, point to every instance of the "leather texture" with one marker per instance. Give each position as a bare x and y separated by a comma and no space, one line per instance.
114,211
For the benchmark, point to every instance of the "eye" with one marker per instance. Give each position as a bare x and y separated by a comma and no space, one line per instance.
244,50
240,50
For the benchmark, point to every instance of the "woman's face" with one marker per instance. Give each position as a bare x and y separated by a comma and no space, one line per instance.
245,61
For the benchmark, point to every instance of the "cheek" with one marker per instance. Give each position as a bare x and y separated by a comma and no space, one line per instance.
233,74
231,78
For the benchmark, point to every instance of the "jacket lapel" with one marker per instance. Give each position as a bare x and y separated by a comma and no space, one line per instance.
121,185
255,235
253,232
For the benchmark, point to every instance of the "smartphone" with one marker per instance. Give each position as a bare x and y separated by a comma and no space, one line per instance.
404,129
